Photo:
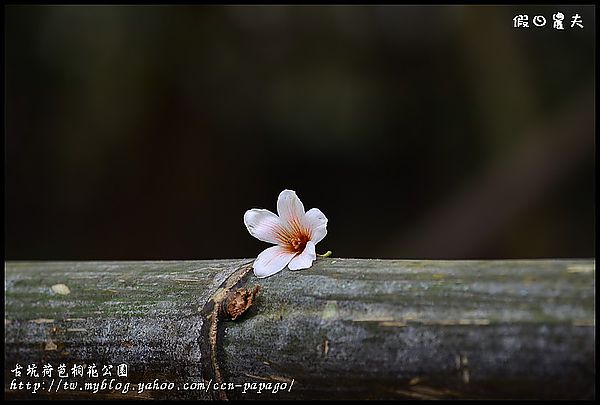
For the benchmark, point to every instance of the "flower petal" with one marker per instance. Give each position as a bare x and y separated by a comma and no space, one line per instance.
316,222
289,207
305,259
263,225
271,261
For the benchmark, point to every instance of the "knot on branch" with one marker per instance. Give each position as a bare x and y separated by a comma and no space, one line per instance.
237,302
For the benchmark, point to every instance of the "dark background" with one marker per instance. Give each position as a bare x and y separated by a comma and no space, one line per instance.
145,132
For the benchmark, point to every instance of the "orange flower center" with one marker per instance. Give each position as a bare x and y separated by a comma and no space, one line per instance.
298,243
294,236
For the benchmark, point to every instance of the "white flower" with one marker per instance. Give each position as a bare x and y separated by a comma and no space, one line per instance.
294,231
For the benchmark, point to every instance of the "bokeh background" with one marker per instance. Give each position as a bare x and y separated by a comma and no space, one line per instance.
145,132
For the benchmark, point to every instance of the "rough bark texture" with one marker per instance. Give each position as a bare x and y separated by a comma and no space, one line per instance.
344,329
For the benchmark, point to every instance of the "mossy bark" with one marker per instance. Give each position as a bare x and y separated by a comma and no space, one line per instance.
343,329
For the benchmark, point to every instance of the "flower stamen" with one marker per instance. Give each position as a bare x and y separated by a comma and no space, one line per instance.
298,243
